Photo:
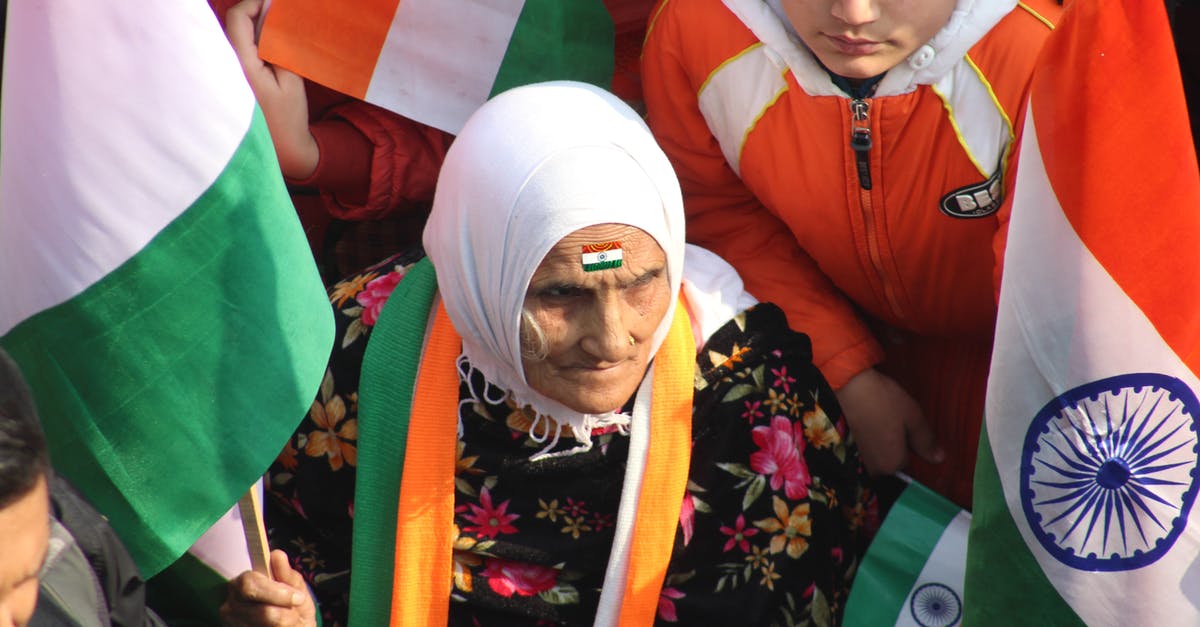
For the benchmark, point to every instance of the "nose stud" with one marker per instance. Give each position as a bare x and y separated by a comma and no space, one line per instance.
632,342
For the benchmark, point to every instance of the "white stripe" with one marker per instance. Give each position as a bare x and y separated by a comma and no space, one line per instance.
1064,322
601,257
769,27
436,79
116,117
612,592
982,128
736,95
223,547
946,566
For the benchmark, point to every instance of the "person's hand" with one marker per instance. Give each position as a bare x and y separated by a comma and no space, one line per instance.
280,93
886,423
253,599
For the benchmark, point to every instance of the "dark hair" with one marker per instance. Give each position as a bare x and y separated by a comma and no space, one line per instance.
23,456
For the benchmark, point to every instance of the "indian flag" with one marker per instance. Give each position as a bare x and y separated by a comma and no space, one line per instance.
602,256
912,575
436,61
158,291
1086,483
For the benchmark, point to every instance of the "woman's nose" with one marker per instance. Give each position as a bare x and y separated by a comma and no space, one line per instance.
607,337
855,12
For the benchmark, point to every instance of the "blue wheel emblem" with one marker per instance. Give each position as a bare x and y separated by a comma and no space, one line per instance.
935,605
1108,471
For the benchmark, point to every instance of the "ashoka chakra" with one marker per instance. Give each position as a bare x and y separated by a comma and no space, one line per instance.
1108,471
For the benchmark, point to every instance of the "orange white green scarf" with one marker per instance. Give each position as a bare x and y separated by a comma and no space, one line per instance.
424,523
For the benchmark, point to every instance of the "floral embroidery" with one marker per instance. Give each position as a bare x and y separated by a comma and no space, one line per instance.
687,518
347,289
819,430
490,521
791,529
782,447
464,561
508,578
769,576
288,456
550,510
782,380
739,535
753,411
376,294
575,526
758,557
666,604
777,403
332,440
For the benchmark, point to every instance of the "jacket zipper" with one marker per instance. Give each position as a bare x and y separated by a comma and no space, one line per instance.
860,143
860,140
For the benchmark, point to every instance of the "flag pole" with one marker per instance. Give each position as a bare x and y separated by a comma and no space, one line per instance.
250,508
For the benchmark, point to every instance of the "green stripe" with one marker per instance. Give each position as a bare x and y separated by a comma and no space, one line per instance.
1004,583
558,40
385,391
167,387
897,555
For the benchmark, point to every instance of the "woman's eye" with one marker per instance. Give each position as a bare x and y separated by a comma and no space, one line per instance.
560,291
650,278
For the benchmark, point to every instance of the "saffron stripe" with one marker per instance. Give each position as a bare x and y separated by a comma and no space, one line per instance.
1144,223
331,43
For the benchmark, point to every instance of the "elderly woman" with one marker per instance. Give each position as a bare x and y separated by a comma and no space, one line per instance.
581,420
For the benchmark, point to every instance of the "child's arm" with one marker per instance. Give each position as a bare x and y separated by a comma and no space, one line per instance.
280,93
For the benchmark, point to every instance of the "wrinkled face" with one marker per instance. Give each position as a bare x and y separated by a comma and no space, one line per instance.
589,317
24,538
863,38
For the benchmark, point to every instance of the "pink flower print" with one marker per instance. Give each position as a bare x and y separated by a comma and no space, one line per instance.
666,604
782,445
753,411
489,520
600,522
738,534
575,508
508,578
376,294
687,517
781,378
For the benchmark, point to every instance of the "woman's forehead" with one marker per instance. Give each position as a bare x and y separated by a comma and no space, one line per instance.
602,247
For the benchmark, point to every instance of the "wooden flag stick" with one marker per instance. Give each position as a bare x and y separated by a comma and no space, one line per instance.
250,508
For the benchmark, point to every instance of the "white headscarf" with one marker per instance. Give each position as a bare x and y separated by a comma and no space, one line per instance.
531,166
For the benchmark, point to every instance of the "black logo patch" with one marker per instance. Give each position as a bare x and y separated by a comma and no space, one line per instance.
977,200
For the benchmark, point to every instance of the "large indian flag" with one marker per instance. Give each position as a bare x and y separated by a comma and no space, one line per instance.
436,61
1087,476
157,288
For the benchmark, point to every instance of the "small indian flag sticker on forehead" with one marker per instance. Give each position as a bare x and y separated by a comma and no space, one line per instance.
602,256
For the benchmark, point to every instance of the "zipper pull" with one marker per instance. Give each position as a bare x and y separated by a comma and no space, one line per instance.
860,140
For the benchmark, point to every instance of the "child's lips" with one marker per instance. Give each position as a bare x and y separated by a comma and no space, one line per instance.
854,46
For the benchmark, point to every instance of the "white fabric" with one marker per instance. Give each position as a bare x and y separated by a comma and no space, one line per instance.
533,165
714,292
100,149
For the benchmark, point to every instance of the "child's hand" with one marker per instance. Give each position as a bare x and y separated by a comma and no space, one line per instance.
254,599
886,423
280,93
